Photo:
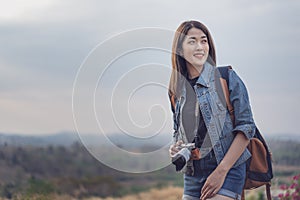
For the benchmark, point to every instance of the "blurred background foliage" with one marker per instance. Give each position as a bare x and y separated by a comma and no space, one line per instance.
42,172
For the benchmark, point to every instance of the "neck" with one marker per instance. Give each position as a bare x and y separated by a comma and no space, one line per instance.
193,71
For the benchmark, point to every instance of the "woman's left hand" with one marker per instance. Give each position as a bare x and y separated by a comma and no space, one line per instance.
213,183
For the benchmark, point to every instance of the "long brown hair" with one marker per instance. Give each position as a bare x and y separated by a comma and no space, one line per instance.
179,68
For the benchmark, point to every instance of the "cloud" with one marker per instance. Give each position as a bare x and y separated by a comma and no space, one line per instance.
45,42
17,10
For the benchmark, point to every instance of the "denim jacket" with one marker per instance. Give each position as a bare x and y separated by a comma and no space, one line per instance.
217,119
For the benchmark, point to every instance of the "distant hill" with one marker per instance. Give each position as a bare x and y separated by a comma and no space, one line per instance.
63,139
68,138
283,137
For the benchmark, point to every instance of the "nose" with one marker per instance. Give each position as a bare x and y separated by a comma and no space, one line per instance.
199,46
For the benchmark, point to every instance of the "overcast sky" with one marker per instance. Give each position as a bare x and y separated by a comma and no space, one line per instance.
44,43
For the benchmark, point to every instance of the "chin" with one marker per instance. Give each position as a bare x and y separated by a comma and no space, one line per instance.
199,64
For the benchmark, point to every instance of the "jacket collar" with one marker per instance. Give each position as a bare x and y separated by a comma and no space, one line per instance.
204,78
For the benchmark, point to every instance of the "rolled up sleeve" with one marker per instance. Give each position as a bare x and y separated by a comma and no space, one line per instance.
242,110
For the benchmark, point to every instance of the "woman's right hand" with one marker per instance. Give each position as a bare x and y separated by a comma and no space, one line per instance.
174,148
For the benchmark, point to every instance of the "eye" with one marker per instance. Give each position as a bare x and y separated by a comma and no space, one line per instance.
191,42
204,41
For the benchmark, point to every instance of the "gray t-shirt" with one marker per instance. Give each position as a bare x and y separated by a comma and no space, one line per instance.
188,115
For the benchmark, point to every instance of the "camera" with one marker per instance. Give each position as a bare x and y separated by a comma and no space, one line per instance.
181,157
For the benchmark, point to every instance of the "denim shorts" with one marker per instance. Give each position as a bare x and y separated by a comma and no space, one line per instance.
232,186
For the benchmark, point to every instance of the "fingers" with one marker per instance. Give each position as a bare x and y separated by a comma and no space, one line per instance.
212,184
173,148
208,194
208,191
178,143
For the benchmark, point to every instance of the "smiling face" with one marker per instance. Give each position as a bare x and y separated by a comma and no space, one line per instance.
195,49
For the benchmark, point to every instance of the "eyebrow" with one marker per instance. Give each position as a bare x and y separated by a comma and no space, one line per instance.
193,37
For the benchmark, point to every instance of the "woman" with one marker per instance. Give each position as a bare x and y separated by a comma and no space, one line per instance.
200,114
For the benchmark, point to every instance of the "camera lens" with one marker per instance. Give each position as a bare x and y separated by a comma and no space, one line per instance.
180,158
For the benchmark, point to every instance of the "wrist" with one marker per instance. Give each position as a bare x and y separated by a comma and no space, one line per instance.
223,167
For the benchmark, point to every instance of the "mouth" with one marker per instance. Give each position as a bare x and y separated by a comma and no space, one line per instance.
199,55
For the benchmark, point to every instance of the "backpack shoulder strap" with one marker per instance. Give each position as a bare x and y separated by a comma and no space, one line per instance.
268,191
224,72
173,101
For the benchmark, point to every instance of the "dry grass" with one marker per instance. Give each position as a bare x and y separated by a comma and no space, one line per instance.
43,197
170,193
